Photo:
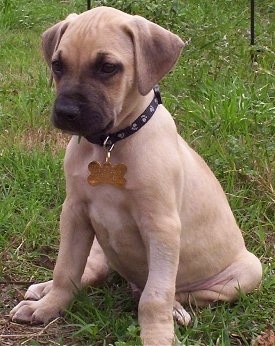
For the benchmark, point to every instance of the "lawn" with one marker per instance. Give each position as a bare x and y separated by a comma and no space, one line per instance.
223,103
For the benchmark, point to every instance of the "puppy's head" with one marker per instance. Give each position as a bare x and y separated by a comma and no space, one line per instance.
100,58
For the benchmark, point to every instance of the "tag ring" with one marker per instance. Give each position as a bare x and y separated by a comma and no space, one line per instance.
109,148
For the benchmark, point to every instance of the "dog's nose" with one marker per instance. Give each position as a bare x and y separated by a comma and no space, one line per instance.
66,109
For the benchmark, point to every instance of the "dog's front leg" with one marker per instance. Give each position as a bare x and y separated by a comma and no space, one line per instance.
76,240
162,239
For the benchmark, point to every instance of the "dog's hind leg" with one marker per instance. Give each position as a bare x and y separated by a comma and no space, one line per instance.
97,267
37,291
180,315
244,275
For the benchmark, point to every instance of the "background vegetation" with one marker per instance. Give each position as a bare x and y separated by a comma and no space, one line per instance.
223,103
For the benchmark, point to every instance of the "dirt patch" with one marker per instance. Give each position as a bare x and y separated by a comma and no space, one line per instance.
266,338
57,332
17,334
42,138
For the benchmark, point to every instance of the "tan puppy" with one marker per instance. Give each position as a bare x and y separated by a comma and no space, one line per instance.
169,231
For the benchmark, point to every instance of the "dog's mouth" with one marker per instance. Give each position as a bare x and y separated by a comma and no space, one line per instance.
81,120
81,128
105,132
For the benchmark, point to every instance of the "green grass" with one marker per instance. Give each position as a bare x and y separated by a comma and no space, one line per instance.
224,107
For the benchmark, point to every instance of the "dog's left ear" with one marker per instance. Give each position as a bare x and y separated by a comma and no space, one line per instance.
156,51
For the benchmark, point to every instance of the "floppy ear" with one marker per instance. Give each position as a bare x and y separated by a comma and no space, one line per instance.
51,37
156,51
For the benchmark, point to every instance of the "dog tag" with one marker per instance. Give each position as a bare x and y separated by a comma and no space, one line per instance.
106,173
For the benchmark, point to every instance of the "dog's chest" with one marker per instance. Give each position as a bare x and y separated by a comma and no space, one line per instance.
118,233
111,219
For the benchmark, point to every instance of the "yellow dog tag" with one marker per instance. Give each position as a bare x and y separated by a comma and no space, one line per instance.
106,173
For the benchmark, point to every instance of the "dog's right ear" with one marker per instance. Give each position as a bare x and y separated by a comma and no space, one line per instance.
51,37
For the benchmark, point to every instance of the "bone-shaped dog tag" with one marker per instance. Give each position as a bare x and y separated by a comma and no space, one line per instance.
106,173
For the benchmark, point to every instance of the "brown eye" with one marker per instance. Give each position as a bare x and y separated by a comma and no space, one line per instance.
108,68
57,67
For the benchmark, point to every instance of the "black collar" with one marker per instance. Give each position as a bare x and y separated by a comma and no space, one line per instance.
110,139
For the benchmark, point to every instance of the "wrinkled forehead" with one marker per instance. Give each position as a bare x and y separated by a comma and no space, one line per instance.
97,31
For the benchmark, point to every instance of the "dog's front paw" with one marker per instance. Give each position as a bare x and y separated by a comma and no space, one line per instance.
33,312
38,291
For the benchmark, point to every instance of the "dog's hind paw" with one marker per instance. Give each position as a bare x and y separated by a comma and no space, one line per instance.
38,291
180,315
